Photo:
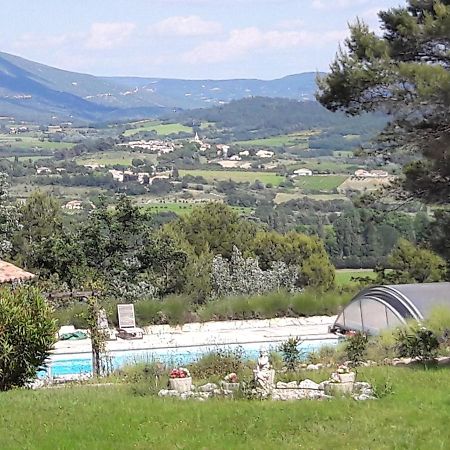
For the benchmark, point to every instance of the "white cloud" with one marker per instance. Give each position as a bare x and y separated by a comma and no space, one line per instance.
333,4
242,41
186,26
108,35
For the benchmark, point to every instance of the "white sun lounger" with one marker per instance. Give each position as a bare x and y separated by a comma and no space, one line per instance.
127,323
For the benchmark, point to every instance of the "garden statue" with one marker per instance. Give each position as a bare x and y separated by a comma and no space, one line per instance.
263,373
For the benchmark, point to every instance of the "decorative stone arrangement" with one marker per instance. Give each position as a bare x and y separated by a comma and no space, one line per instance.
342,382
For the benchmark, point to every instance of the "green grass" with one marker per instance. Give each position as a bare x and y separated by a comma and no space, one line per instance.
333,165
343,154
344,276
414,416
320,182
161,129
112,158
240,176
289,140
24,142
283,197
183,208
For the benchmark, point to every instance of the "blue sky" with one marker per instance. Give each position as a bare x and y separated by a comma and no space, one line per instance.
183,38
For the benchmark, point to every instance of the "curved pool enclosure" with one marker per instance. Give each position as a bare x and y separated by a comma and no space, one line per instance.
381,307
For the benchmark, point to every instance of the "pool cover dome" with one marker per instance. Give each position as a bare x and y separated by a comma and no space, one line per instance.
380,307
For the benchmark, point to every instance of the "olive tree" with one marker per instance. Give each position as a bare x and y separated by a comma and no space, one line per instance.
27,333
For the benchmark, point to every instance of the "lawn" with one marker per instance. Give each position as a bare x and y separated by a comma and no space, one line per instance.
414,414
320,182
344,276
161,129
240,176
288,140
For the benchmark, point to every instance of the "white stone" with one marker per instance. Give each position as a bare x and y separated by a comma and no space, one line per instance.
168,393
208,387
312,367
308,384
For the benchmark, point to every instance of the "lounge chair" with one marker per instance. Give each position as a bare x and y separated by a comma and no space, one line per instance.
127,323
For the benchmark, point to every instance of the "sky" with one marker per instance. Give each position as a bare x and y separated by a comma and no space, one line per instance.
194,39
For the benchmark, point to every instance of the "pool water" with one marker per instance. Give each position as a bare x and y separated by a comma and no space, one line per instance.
62,366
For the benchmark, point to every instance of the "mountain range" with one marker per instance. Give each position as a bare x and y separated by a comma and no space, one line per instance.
32,91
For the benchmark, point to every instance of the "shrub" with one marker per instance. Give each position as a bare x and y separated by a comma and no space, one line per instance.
218,364
356,347
27,335
417,342
291,353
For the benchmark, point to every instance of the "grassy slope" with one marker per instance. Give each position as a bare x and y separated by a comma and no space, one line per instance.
414,416
344,276
238,176
161,129
294,139
320,182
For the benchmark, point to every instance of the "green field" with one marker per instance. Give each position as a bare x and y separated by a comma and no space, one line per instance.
28,142
283,197
412,413
161,129
184,208
320,182
240,176
288,140
332,165
344,276
112,158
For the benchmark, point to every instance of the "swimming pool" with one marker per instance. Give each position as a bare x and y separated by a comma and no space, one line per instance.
64,366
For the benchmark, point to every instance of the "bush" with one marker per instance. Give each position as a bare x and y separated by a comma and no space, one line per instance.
417,342
291,353
356,347
27,335
218,364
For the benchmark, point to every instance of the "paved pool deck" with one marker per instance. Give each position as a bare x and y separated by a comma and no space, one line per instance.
210,334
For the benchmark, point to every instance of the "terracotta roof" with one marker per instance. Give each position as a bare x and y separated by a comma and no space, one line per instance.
9,273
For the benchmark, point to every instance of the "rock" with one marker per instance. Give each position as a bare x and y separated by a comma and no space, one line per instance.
168,393
292,385
208,387
230,386
303,366
186,395
308,384
323,385
360,385
312,367
363,397
443,360
281,385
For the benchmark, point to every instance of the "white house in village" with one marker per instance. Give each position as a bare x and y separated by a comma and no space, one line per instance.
74,205
43,170
264,154
362,173
303,172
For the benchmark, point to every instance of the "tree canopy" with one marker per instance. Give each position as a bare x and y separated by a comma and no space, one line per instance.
406,73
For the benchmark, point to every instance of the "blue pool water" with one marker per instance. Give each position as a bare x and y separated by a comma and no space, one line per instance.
58,367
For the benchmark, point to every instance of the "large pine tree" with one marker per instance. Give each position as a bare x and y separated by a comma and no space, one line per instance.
406,73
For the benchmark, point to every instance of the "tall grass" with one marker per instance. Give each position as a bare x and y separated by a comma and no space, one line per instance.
178,309
102,418
278,304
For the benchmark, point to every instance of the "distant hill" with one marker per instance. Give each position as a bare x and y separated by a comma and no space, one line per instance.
260,117
204,93
36,92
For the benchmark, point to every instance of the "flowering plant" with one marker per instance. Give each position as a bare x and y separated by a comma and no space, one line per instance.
231,378
181,372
